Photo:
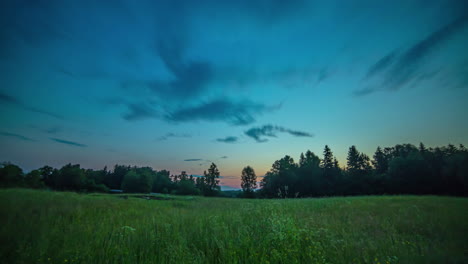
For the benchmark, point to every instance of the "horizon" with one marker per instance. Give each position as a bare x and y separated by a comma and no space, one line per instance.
237,83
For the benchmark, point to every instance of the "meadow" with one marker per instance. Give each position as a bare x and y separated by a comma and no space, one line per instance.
65,227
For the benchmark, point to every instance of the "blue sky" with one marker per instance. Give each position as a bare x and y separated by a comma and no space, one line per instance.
178,84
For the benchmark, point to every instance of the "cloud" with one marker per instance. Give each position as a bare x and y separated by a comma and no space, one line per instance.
8,99
5,98
53,130
67,142
409,63
191,77
173,135
400,70
235,113
193,159
139,112
224,157
18,136
43,112
364,91
270,131
222,110
29,24
229,139
381,64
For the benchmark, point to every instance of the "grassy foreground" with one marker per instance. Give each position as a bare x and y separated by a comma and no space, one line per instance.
57,227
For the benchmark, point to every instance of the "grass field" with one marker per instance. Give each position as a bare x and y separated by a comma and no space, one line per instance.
59,227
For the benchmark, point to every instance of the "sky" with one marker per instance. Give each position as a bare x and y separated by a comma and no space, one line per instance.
177,85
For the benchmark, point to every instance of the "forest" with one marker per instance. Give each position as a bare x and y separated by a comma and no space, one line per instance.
401,169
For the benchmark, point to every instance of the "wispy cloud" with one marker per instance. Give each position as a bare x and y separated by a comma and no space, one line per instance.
139,112
259,133
44,112
67,142
191,77
400,70
17,136
8,99
381,65
235,113
53,130
224,157
229,139
193,159
173,135
5,98
241,112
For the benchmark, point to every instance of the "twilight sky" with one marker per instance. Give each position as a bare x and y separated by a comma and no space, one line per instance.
177,84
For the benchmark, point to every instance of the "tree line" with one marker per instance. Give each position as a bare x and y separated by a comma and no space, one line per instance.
402,169
126,178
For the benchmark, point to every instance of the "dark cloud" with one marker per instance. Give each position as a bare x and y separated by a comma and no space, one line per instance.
139,112
270,131
191,77
30,22
364,91
8,99
67,142
174,135
229,139
401,70
223,110
193,159
381,65
43,112
224,157
18,136
53,130
235,113
408,65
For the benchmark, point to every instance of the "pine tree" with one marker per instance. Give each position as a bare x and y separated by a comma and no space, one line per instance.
380,162
327,162
353,160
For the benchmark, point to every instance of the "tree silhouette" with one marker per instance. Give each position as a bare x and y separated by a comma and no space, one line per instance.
401,169
380,161
211,187
249,181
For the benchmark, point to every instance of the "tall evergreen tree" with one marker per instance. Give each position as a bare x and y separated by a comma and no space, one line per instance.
380,162
327,165
327,162
353,160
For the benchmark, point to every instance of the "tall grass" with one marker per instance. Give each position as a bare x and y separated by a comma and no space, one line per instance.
58,227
